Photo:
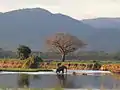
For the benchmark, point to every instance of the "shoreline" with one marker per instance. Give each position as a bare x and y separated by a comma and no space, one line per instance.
70,72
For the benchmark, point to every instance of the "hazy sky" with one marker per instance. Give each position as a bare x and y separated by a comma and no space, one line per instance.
78,9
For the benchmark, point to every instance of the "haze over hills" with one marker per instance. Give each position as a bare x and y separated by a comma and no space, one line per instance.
32,26
103,22
108,34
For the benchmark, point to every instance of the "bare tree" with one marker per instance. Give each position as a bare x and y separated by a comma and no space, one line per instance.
64,43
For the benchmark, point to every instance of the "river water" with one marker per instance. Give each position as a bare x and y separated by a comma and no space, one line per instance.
108,82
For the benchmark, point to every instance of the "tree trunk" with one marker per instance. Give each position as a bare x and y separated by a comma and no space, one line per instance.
63,57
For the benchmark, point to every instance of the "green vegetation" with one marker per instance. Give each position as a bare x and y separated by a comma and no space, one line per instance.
23,52
90,62
66,45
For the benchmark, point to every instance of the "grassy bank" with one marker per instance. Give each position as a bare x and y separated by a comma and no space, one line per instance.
68,61
24,70
16,65
90,62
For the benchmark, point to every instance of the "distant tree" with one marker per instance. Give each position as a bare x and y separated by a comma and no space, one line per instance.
23,52
36,60
64,43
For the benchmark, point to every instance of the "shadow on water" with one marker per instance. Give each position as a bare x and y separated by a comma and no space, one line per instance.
65,81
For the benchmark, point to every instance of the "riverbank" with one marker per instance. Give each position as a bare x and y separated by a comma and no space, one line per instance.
17,65
70,72
115,68
25,70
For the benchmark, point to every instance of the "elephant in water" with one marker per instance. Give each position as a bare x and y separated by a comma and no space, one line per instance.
61,68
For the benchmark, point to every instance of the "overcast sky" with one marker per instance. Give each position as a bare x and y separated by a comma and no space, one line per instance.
79,9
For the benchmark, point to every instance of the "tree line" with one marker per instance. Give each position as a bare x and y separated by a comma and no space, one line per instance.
62,46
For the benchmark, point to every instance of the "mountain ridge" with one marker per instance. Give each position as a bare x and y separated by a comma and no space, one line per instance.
38,22
31,27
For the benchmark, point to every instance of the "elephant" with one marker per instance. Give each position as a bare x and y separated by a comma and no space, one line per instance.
61,68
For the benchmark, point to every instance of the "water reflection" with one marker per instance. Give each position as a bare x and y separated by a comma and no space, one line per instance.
62,79
65,81
103,82
23,80
117,78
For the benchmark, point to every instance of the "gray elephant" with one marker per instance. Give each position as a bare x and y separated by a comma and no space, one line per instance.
61,68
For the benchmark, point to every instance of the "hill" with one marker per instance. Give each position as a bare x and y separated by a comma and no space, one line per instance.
108,34
31,27
105,40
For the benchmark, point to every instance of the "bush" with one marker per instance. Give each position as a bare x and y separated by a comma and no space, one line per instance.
97,66
37,60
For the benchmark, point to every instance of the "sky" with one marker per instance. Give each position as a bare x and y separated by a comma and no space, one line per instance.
78,9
